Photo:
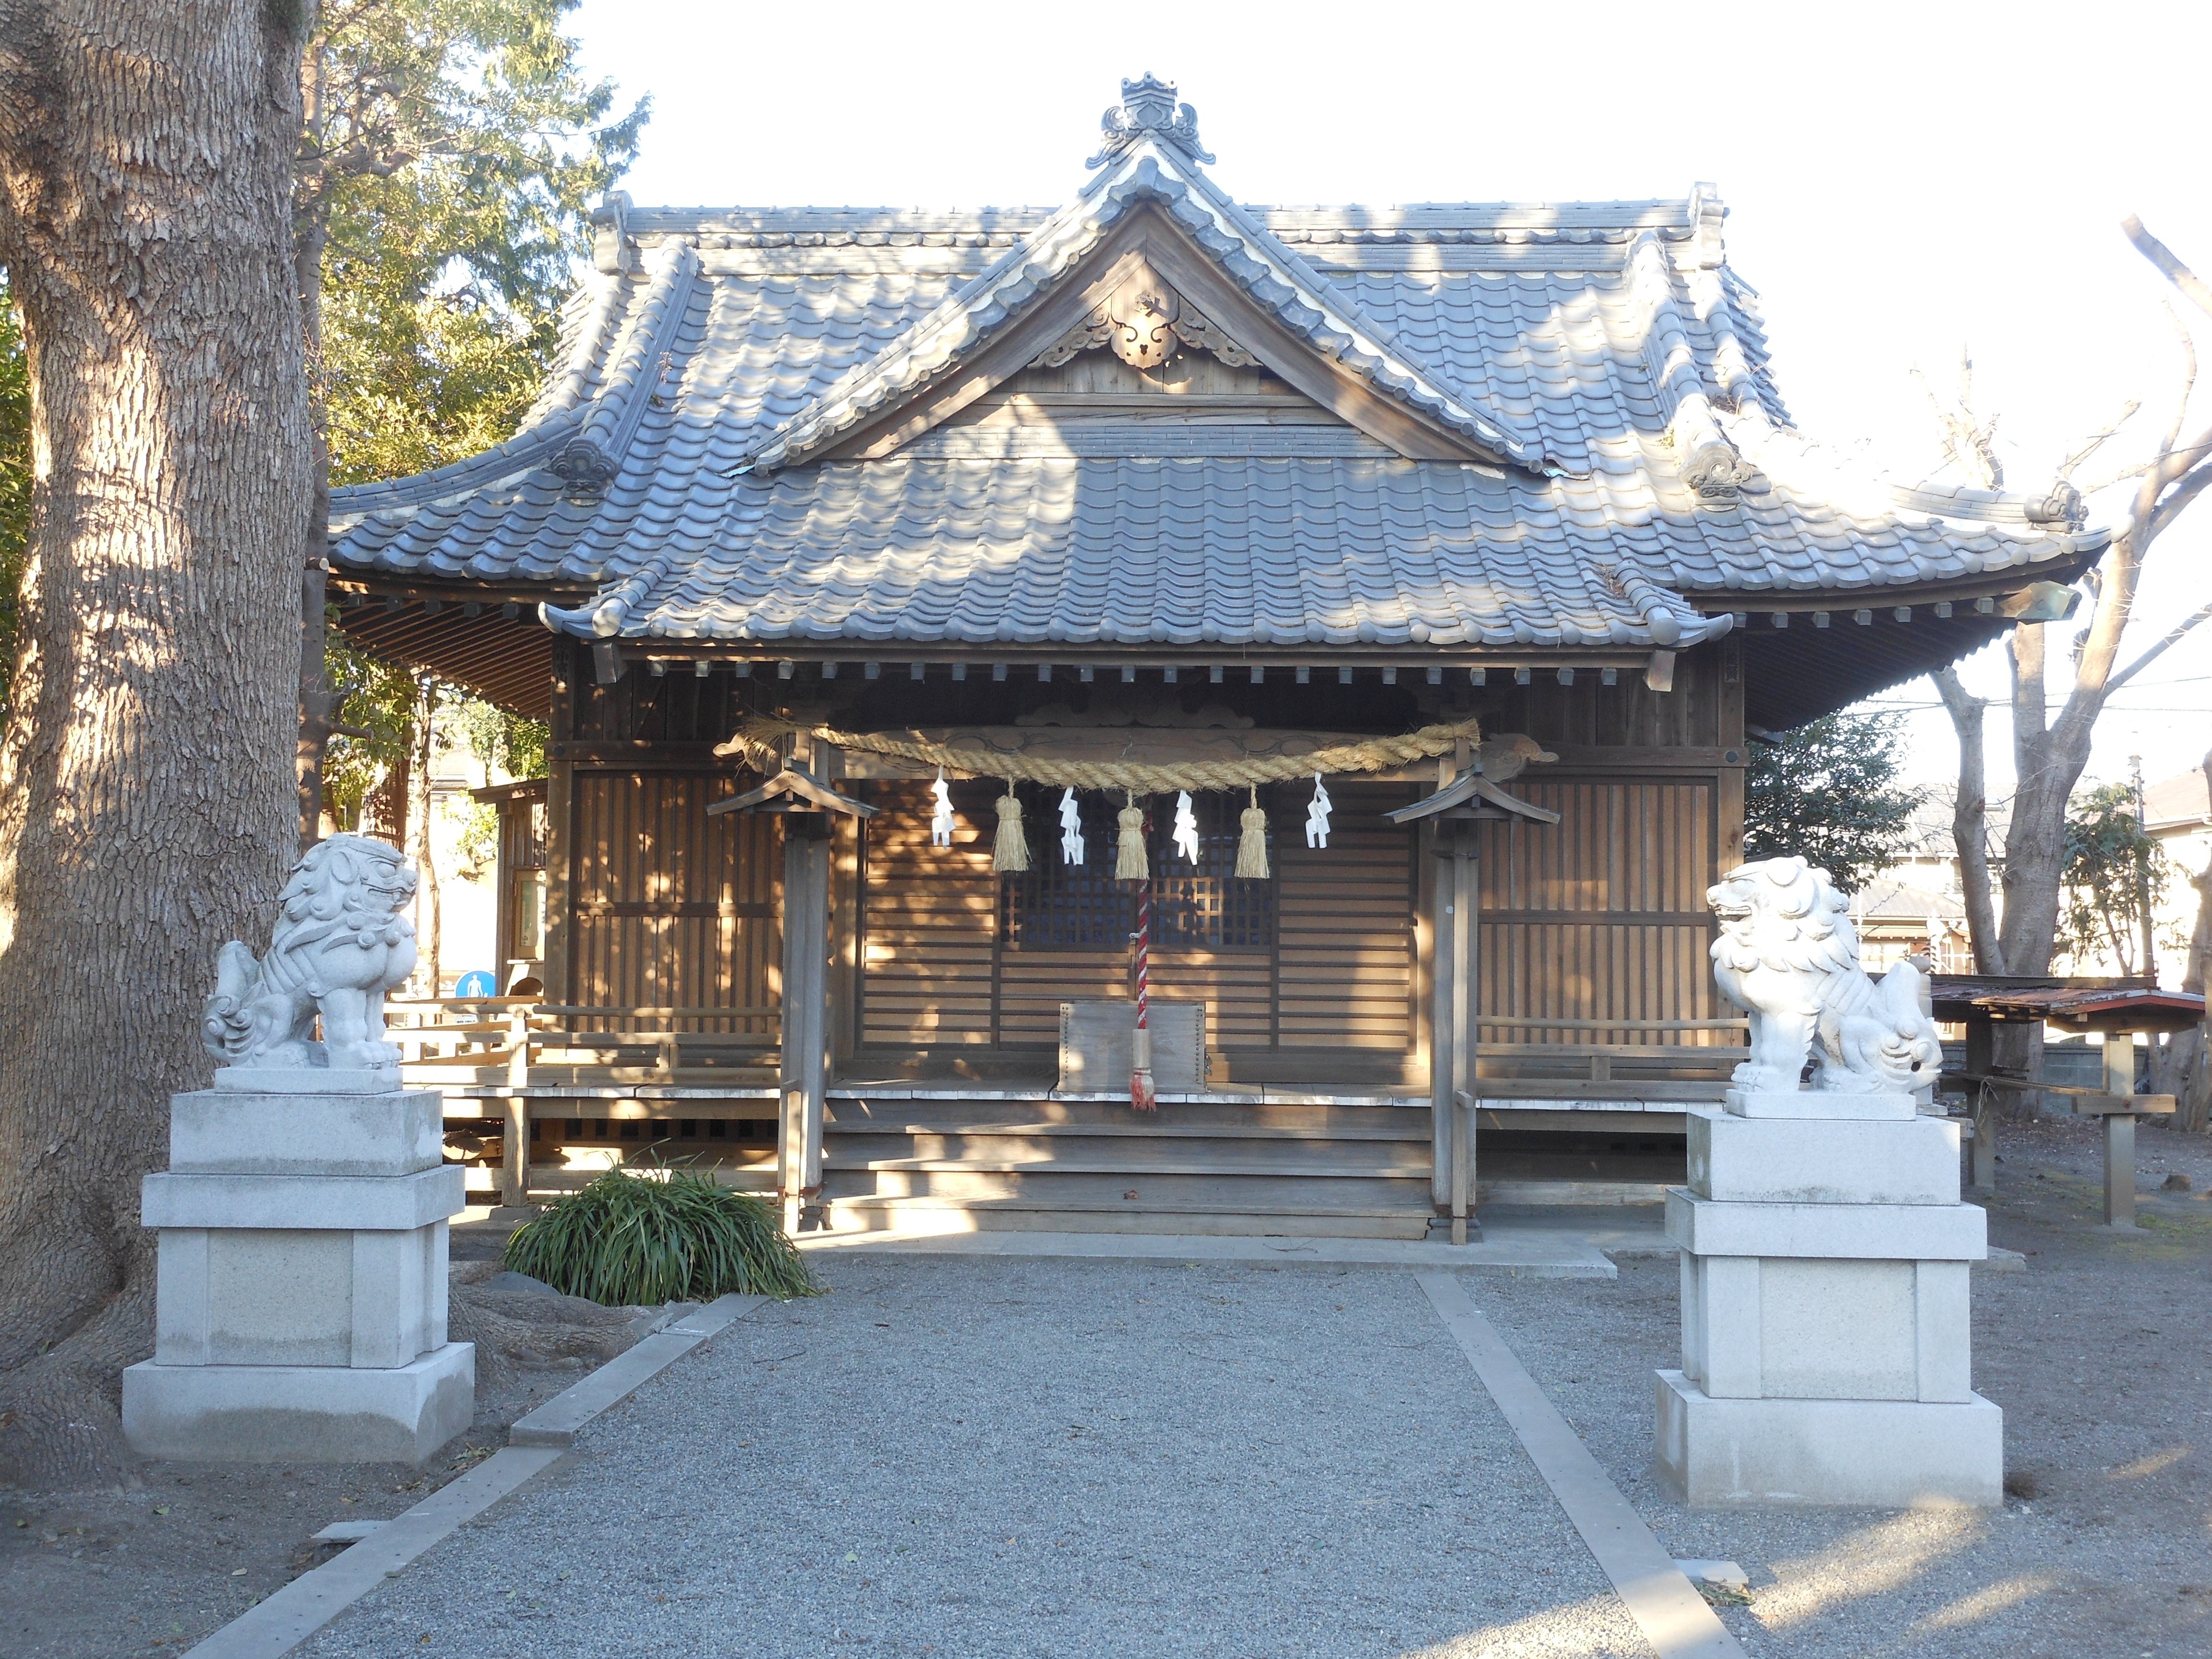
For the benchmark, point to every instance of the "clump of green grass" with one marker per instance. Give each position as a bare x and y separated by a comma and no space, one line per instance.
638,1238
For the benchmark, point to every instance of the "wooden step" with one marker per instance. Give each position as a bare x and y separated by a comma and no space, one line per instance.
1111,1188
1107,1152
1137,1128
1133,1167
953,1111
881,1214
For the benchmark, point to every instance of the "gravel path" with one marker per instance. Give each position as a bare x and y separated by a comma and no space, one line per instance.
1035,1458
2100,1353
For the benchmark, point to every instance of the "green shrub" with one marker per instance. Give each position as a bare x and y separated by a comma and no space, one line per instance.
640,1237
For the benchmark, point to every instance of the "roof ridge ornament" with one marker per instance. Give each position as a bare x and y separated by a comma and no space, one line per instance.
1148,109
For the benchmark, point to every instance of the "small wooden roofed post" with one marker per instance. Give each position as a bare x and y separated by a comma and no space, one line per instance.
806,805
1457,808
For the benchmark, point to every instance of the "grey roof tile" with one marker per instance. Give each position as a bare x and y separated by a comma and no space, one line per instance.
1626,353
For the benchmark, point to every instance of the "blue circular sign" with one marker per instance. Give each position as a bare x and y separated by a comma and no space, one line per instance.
477,982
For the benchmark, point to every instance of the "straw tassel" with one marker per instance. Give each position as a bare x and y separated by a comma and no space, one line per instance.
1252,846
1011,851
1132,865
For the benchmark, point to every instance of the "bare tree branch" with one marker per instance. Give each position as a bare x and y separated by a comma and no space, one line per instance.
2173,271
2193,453
2095,440
2131,670
2169,508
1968,444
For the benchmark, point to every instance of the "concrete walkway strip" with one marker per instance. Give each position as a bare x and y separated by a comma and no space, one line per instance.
556,1422
274,1627
1540,1253
1658,1595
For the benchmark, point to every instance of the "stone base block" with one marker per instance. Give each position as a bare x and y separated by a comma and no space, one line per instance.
1918,1233
299,1413
1772,1160
352,1203
227,1132
1809,1103
1893,1454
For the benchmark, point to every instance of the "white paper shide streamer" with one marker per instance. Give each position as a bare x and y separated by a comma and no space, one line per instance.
1186,826
1071,829
1317,815
940,816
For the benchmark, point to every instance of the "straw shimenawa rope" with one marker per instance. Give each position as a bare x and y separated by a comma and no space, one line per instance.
759,738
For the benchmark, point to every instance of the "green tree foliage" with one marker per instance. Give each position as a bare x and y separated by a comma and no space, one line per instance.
380,731
1828,791
14,479
2113,870
452,149
516,746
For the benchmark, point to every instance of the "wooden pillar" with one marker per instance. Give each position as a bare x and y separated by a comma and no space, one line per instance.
804,1039
2120,1131
515,1169
1730,734
560,830
1981,1150
1466,985
1442,1021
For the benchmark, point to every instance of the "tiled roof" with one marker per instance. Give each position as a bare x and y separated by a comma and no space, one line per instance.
2182,802
1636,475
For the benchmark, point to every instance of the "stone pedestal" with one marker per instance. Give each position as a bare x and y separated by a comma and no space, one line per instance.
301,1306
1825,1323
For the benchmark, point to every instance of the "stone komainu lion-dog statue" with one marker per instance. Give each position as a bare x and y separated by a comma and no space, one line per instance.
341,940
1787,956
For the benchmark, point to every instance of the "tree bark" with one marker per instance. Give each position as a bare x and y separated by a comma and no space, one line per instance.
146,787
1970,820
318,704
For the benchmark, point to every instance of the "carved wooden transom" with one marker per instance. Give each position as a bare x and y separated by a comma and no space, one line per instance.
1145,322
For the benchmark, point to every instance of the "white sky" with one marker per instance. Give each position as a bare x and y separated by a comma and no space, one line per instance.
1904,178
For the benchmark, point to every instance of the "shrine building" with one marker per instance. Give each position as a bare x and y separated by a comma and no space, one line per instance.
1491,515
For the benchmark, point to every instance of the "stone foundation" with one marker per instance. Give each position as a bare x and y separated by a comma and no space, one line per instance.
1723,1454
1825,1341
301,1303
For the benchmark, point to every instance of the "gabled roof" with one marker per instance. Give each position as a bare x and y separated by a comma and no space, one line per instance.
1494,428
1149,169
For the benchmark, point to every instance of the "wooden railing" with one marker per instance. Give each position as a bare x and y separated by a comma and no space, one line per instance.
1610,1063
440,1037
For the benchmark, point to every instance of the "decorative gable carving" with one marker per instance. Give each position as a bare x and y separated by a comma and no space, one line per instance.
1144,321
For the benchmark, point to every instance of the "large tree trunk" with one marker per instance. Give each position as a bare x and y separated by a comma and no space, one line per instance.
319,703
1970,821
146,786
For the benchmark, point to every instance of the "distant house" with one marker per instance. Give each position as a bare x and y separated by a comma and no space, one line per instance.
1916,902
2177,813
1159,493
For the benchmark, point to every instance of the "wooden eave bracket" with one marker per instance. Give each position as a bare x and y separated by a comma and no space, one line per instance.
1470,786
783,793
